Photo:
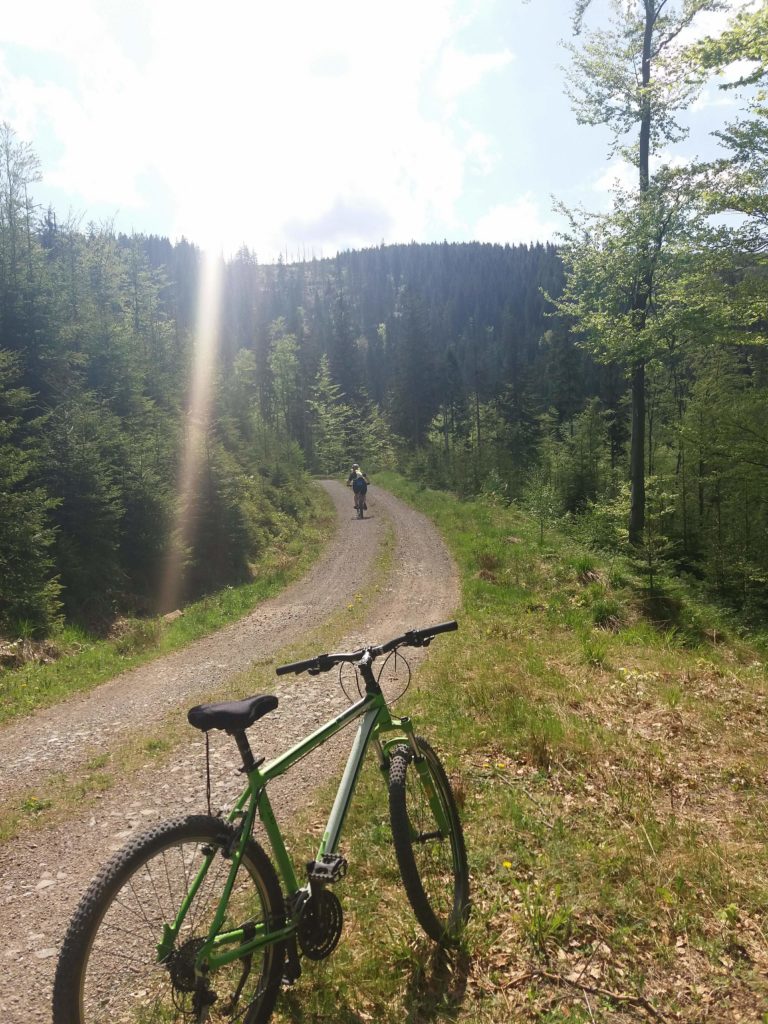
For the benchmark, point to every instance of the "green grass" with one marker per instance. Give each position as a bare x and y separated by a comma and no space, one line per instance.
613,792
85,662
612,782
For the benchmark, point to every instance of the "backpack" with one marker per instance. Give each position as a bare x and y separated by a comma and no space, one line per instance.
359,484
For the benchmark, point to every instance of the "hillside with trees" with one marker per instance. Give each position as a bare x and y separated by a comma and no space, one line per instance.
444,359
360,356
618,382
95,358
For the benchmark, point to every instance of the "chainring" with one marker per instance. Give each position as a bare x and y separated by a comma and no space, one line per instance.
320,925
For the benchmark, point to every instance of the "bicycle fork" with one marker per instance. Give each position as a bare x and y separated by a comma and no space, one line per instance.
425,778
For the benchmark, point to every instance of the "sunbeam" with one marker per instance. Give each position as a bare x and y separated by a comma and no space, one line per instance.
207,329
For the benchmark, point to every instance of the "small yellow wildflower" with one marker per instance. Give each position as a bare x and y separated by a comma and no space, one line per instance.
506,864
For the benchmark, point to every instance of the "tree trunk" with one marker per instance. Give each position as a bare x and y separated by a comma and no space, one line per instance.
637,448
637,456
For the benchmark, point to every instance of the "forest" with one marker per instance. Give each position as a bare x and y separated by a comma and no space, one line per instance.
616,383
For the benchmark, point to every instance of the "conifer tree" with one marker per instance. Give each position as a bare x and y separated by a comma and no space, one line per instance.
29,590
332,422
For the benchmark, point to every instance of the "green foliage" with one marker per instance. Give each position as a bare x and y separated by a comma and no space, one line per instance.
332,422
643,245
652,555
95,357
633,78
28,596
738,180
595,649
541,499
142,635
284,367
607,611
547,924
723,431
83,660
346,432
81,468
605,85
745,39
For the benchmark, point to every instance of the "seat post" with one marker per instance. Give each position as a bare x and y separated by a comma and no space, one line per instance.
245,749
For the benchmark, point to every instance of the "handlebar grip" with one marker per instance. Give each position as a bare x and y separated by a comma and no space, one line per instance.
296,666
442,627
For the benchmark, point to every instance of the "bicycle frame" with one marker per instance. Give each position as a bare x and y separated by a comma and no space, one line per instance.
221,948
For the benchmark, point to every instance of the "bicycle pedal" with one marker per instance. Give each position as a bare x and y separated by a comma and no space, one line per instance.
330,868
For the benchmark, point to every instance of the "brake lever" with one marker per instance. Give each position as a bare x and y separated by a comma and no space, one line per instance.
423,641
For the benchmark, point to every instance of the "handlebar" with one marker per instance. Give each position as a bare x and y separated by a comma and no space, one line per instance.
324,662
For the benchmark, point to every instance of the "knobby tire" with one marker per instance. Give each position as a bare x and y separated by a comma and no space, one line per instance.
108,969
433,866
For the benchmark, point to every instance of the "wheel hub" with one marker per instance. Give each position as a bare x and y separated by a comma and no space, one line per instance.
181,965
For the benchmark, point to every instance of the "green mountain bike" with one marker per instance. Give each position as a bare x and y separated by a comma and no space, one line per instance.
192,922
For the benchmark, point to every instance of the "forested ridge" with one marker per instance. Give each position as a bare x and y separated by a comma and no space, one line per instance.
617,384
318,363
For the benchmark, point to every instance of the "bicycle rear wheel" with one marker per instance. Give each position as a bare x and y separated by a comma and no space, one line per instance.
432,859
109,971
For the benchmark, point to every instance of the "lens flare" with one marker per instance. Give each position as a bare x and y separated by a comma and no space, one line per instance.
207,329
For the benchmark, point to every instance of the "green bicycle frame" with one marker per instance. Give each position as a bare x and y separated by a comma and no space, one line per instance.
221,948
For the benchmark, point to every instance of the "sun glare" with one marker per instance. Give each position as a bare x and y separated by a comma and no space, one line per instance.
207,331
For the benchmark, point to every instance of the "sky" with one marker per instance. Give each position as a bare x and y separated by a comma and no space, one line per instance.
301,128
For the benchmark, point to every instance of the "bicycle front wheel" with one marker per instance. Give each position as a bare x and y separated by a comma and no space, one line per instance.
110,970
429,842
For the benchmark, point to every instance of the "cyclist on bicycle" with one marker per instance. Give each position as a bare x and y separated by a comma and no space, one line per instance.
358,481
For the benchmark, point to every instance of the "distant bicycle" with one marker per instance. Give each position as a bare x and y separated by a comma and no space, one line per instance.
191,921
359,483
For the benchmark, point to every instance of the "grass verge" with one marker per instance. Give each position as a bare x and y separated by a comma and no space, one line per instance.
87,662
612,778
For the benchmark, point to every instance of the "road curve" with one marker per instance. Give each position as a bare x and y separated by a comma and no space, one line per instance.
43,874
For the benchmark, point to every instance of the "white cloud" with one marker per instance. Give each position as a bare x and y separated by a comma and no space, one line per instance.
519,222
254,118
712,96
618,174
712,23
459,72
481,152
624,176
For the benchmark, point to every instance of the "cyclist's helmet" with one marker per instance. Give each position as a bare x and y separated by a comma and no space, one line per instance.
355,466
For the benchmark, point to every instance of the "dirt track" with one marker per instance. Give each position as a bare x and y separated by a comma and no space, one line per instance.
43,874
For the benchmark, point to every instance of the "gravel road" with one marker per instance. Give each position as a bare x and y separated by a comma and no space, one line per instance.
43,873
